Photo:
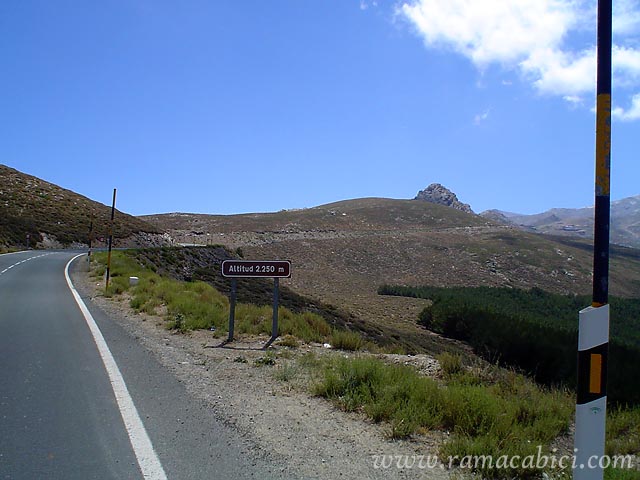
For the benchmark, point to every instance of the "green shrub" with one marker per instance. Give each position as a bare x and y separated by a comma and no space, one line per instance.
286,372
345,340
510,416
307,326
425,317
268,359
532,330
288,341
450,364
177,323
621,474
623,431
118,285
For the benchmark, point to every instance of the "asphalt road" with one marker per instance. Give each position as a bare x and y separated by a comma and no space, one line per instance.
59,415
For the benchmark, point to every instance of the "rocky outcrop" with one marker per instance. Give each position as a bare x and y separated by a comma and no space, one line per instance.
436,193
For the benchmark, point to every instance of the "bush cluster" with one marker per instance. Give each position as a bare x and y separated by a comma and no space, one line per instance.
198,305
532,330
509,415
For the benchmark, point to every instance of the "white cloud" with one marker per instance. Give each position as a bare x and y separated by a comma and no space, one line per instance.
626,65
573,99
633,113
538,38
561,73
481,117
364,5
626,19
491,30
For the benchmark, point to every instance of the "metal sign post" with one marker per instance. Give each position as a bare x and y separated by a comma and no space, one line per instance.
593,342
274,321
232,308
275,269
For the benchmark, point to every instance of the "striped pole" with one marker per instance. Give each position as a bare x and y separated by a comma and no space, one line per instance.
113,211
593,336
90,239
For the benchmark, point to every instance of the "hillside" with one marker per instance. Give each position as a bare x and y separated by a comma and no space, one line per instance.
342,252
53,216
578,222
330,220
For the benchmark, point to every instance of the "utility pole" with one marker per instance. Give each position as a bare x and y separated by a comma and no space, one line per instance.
90,239
593,336
113,211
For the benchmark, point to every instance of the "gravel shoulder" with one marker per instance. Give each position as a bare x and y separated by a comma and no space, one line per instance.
271,405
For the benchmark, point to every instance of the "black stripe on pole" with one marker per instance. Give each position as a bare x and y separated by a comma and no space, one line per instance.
604,47
592,373
601,252
603,158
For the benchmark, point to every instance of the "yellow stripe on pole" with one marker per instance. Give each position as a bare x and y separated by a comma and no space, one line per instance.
603,144
595,377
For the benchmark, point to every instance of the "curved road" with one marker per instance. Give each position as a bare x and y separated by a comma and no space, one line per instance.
59,416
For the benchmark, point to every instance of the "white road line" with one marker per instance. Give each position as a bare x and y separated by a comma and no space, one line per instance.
21,262
140,441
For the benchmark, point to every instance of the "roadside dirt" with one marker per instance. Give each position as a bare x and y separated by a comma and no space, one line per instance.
271,404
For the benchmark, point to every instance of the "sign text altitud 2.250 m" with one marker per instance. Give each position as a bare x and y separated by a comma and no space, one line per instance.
256,268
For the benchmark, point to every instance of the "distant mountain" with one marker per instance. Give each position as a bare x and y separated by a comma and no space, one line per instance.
55,217
578,222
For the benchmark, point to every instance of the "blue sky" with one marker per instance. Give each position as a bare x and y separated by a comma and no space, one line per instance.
230,107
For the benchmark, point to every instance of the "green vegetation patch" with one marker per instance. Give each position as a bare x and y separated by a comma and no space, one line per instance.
532,330
486,411
508,415
623,431
197,305
344,340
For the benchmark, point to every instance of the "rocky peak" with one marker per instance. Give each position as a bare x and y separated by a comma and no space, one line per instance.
436,193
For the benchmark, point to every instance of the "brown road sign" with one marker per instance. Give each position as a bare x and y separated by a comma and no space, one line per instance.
256,268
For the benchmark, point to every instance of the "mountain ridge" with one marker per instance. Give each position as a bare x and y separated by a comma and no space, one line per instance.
54,217
579,222
342,252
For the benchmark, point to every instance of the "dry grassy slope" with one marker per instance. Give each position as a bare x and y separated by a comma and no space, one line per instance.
333,220
31,205
342,252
